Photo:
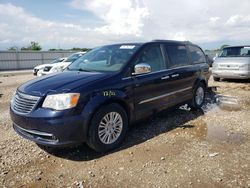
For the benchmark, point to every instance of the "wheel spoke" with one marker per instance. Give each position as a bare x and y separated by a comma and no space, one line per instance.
108,138
116,118
102,125
102,132
105,118
105,137
114,135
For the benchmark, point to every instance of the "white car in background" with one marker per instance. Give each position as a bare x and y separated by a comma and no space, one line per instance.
60,66
39,68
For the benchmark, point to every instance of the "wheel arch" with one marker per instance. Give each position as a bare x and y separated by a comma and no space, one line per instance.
201,80
120,102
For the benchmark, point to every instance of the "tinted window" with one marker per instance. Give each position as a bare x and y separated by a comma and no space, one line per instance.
152,55
177,55
235,52
197,56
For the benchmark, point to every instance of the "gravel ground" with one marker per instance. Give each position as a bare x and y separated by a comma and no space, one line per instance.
179,148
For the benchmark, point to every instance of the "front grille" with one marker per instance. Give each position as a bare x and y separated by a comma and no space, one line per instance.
228,67
23,103
47,68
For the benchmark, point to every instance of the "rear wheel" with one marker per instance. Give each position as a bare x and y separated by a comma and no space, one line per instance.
107,128
217,79
198,96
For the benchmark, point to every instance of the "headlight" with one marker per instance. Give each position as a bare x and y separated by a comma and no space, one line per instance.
61,101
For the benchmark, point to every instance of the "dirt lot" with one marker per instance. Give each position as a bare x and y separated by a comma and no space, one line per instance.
177,148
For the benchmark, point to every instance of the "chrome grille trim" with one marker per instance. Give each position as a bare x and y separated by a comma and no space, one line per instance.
23,103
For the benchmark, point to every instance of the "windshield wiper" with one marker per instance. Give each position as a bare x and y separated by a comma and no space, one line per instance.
84,70
80,69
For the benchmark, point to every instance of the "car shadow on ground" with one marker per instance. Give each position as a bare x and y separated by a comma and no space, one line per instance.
236,80
140,132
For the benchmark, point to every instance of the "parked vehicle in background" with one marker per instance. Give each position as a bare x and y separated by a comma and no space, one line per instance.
41,67
100,94
233,63
216,55
60,66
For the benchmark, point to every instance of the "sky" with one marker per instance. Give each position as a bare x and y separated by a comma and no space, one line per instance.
89,23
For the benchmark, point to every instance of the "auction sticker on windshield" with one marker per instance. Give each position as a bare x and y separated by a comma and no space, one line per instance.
127,47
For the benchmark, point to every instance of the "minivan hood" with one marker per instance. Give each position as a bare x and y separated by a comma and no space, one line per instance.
232,60
60,82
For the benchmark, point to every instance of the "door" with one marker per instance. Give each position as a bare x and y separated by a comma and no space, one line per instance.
183,74
151,89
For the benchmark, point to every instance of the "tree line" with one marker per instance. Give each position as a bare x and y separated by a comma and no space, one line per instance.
35,46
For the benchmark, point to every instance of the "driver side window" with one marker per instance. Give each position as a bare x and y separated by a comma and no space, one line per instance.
152,56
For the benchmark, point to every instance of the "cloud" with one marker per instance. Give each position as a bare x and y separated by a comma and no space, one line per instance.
120,17
214,19
20,28
239,21
201,22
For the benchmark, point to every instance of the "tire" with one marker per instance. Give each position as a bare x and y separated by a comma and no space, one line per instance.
199,91
99,127
217,79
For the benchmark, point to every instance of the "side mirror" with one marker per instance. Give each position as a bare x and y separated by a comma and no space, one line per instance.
141,68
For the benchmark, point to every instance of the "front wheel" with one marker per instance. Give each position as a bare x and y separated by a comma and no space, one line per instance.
107,128
198,96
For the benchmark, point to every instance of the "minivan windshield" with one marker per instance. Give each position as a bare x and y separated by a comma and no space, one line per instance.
241,51
109,58
73,57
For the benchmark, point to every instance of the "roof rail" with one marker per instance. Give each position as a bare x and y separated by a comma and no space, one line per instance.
173,41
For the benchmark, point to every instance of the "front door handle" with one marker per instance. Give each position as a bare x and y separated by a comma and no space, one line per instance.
165,77
174,75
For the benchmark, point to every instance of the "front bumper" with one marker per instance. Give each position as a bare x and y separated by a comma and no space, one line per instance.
231,74
57,131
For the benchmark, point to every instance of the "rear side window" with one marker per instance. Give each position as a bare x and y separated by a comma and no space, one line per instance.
197,56
177,55
152,55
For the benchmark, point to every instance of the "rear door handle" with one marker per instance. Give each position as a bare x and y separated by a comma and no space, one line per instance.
174,75
165,77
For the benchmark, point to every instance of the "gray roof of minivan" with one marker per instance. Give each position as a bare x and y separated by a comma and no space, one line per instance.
158,40
172,41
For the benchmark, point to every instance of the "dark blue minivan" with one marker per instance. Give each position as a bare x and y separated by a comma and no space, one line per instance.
100,94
